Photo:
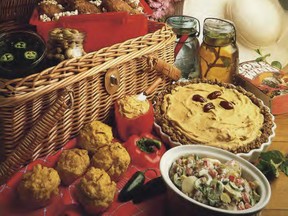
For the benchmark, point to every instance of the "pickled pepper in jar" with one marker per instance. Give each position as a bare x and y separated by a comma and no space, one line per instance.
219,55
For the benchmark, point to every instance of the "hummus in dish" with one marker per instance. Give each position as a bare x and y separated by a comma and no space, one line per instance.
219,125
131,107
218,115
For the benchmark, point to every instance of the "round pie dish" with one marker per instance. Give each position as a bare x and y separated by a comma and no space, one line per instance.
245,128
182,204
251,156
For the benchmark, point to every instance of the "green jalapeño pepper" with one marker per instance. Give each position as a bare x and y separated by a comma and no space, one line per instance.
132,186
145,150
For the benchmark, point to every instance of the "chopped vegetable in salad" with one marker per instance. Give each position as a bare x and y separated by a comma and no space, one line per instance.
211,182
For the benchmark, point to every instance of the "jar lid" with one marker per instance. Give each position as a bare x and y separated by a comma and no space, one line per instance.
218,28
184,24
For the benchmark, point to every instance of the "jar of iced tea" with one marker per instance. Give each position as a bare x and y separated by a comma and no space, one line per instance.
186,45
218,52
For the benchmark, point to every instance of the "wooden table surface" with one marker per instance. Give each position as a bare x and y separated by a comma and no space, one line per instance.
278,205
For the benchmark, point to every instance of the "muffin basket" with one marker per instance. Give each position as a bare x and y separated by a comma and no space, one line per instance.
41,112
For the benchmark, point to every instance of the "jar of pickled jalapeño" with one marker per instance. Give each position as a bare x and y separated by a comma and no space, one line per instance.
218,52
186,45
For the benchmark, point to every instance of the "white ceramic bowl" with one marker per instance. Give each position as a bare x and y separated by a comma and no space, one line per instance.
251,156
181,204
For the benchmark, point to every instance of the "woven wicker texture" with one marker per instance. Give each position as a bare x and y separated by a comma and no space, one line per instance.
24,101
16,10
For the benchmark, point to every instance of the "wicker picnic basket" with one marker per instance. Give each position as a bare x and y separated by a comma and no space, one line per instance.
41,112
15,14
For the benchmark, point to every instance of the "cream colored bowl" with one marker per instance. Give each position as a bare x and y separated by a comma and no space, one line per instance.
181,204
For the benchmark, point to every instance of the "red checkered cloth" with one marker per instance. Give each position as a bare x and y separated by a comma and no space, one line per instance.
65,204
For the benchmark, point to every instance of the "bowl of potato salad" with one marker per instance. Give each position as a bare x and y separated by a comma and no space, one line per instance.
203,180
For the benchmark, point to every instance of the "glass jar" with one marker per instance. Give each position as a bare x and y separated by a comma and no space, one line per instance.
186,45
65,43
218,52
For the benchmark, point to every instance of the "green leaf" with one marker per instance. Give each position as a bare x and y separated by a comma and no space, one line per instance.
284,167
258,51
276,64
274,155
259,59
265,56
262,58
268,169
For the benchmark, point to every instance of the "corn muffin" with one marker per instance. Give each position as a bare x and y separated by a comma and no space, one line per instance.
96,191
94,135
72,164
38,186
114,159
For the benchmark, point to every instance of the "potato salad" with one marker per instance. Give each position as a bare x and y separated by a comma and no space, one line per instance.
211,182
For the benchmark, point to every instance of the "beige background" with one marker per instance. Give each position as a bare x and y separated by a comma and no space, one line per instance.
217,8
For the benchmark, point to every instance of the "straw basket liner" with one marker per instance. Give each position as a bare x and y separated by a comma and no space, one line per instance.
41,112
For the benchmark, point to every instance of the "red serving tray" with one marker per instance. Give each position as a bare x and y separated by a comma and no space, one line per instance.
66,204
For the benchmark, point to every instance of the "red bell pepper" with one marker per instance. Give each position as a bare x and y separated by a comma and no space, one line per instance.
145,150
127,127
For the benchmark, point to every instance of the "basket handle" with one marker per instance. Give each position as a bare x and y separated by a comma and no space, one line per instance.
112,76
23,152
164,68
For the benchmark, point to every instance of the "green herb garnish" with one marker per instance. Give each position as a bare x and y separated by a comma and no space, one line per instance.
263,57
271,162
276,64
